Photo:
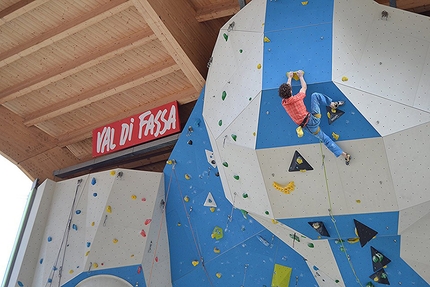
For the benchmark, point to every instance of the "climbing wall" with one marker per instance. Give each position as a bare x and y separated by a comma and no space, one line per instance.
108,226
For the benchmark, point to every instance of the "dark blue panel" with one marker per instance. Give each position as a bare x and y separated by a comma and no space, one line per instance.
281,15
276,129
132,274
307,48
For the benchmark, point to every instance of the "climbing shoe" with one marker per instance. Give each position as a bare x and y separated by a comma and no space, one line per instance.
347,159
338,104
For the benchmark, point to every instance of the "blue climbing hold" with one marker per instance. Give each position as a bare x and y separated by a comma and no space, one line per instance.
41,261
20,283
54,268
49,238
93,181
88,244
75,227
49,280
78,211
95,194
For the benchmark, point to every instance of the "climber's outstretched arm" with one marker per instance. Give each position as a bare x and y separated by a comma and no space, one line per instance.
302,81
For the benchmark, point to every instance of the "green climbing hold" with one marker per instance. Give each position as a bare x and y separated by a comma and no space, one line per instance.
240,51
266,212
245,195
225,164
244,213
370,284
234,137
295,237
311,245
236,177
220,122
377,257
250,99
217,233
225,36
342,249
224,94
336,281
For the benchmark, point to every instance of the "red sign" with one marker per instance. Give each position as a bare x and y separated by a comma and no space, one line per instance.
156,123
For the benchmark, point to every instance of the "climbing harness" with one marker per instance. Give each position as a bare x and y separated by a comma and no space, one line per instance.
330,210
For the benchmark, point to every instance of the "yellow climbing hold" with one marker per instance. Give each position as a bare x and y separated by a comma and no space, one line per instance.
133,197
274,221
259,66
132,255
344,79
216,250
187,176
335,135
170,161
299,160
266,40
353,240
71,271
195,263
295,76
212,209
93,223
358,201
305,3
95,265
186,198
87,253
115,240
285,189
109,209
112,172
218,275
328,115
217,233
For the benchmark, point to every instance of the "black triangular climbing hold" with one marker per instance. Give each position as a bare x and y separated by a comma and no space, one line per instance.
379,260
299,163
380,277
364,232
333,114
319,227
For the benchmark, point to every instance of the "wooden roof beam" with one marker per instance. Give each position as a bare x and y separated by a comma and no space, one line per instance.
219,10
110,51
185,39
63,31
122,84
183,96
18,9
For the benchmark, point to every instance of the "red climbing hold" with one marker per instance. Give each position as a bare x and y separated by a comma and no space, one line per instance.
148,221
139,269
143,233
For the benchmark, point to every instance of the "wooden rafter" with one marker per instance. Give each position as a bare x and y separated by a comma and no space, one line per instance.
19,9
135,79
110,51
63,31
216,11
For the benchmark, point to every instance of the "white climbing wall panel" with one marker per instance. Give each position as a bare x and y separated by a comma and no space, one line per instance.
386,116
320,256
234,79
116,220
380,55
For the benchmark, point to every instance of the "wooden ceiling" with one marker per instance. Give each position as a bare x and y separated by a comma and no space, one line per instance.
68,67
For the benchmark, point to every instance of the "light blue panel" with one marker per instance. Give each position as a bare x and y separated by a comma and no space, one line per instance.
281,15
132,274
399,273
308,48
384,223
276,129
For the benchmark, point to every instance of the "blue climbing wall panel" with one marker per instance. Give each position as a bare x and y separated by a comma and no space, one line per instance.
300,38
276,129
246,253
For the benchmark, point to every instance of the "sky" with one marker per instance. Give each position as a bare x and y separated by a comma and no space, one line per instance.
14,191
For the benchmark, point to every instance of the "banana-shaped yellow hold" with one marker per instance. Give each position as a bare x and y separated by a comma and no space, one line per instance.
285,189
353,240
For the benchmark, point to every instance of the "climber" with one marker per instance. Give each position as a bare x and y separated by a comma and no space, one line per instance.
297,111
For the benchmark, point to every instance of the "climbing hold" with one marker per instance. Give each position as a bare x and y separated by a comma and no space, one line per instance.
171,161
295,76
156,259
143,233
217,233
133,197
210,201
236,177
259,66
112,172
353,240
224,95
115,240
212,209
88,244
262,240
78,211
190,142
245,195
234,137
220,122
364,232
244,213
216,250
108,209
71,271
299,164
187,176
370,284
95,265
93,223
218,275
93,181
143,199
148,221
285,189
344,79
319,227
304,3
378,259
225,36
335,136
240,51
195,263
266,212
380,276
333,114
41,261
274,221
311,245
139,269
358,201
295,237
282,275
20,283
49,238
75,227
95,194
266,40
186,198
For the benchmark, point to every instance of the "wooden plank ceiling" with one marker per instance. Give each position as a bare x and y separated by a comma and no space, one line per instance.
67,67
